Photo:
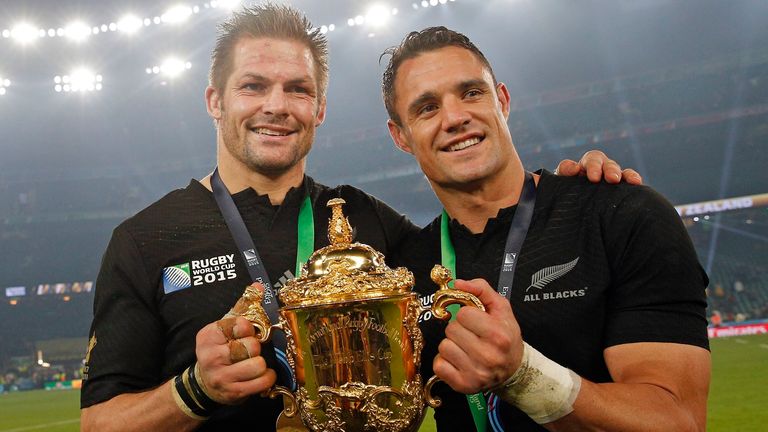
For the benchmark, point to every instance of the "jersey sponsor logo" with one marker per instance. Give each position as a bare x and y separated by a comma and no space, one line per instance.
199,272
545,276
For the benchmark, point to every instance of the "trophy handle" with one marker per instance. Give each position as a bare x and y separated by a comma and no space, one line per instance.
445,297
289,400
249,307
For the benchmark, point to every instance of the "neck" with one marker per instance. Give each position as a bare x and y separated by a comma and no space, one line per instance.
473,205
237,177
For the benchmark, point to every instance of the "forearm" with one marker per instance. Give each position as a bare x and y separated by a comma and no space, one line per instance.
627,407
152,410
657,386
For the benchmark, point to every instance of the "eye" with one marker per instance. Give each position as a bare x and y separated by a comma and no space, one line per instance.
473,93
426,109
253,86
299,89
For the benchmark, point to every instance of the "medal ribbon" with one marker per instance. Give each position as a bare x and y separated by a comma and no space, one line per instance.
515,238
305,244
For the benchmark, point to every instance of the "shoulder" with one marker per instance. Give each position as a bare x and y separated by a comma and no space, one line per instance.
181,207
578,192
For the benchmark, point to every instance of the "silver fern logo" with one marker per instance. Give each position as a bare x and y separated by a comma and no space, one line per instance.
541,278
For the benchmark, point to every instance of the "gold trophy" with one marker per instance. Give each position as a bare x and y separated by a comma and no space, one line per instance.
353,340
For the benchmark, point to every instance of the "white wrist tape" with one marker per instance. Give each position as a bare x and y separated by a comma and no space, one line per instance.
540,387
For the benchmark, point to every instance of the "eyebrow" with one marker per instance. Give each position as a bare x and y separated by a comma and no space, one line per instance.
461,87
250,76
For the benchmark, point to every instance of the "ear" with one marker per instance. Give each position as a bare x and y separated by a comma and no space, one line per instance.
399,136
213,102
502,94
320,117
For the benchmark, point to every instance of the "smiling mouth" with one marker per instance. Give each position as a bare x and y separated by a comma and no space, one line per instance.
269,132
464,144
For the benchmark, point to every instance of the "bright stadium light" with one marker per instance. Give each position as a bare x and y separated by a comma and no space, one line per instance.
377,15
24,33
77,31
80,80
177,14
173,67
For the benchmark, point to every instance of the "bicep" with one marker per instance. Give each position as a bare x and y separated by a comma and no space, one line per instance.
682,371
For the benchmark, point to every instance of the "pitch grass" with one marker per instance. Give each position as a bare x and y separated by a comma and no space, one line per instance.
738,397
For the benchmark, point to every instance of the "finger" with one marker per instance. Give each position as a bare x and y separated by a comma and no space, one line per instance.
592,164
227,327
631,176
611,171
235,327
238,351
567,168
491,299
450,374
460,337
249,377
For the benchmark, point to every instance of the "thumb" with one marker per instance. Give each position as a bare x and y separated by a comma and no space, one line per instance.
488,296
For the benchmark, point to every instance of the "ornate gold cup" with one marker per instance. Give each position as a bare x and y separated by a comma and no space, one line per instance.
353,339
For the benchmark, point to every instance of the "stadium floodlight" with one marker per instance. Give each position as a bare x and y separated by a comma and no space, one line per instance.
332,27
173,67
2,91
377,15
176,14
351,22
323,29
80,80
359,20
24,33
424,3
433,2
6,33
77,31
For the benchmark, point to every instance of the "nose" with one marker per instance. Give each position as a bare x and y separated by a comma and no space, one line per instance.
275,102
455,115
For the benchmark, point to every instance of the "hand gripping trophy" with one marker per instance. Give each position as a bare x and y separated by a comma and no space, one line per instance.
353,340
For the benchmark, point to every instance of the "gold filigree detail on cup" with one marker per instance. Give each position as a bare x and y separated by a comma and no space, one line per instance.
353,339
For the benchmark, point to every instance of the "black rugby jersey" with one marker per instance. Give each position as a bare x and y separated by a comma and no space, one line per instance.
174,268
624,271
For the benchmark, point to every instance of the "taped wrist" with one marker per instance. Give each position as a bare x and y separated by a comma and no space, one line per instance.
540,387
190,397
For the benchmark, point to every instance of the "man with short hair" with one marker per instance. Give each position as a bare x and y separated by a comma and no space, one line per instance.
597,320
160,357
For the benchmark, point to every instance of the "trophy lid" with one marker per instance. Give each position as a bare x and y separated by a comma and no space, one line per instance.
344,271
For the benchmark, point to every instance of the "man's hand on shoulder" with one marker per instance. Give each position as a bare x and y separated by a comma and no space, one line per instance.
597,166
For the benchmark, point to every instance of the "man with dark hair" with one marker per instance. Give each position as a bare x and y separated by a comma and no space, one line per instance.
160,357
608,330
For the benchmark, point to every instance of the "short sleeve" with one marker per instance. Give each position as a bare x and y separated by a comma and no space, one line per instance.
125,350
658,293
